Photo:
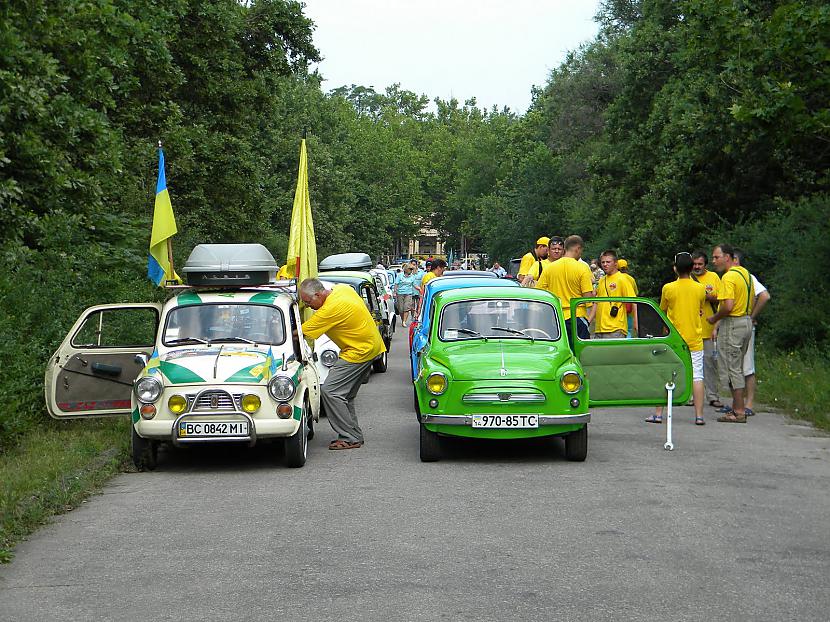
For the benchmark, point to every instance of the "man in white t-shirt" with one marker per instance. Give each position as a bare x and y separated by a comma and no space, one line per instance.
761,298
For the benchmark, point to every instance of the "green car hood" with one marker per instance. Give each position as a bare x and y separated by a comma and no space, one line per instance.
525,360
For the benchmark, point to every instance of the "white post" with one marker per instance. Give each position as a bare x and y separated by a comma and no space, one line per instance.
669,389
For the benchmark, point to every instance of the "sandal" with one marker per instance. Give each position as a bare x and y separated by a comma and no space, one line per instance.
341,444
699,421
654,419
749,412
715,403
732,417
724,409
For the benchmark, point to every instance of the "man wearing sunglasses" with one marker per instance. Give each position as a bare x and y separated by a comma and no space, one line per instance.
556,248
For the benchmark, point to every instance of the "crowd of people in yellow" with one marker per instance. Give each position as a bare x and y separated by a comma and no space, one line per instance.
715,315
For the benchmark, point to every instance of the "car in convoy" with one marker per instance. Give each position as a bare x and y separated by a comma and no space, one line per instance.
496,364
221,361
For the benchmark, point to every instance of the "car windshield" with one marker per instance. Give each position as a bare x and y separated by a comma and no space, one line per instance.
225,323
499,319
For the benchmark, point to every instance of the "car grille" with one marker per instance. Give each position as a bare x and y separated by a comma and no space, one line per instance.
506,396
213,401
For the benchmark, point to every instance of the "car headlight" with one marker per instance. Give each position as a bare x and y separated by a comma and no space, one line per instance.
148,389
571,382
328,358
177,404
436,383
250,403
281,388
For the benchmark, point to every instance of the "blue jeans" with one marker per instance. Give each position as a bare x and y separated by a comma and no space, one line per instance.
582,330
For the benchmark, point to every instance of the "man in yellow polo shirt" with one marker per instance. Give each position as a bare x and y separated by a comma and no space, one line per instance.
612,317
534,262
683,301
735,330
711,281
341,314
569,278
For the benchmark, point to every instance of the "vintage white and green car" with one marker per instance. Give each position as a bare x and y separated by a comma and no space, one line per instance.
211,365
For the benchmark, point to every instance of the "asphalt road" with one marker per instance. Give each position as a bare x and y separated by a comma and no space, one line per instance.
732,525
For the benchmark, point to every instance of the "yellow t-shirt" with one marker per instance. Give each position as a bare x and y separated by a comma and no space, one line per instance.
348,323
426,279
633,283
530,266
711,281
683,302
609,286
567,278
736,284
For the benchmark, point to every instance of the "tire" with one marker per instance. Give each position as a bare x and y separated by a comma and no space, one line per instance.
296,445
144,451
380,364
430,445
576,445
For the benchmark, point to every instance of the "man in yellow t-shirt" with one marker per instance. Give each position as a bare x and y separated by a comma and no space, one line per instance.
683,301
612,317
534,262
711,281
341,314
570,278
735,330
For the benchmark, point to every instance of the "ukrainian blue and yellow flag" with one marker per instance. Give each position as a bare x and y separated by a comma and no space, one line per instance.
159,268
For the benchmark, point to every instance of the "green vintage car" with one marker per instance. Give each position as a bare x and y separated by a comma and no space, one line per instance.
497,365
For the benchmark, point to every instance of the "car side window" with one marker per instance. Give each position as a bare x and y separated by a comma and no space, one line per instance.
117,328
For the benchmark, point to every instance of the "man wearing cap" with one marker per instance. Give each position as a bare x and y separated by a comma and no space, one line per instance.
556,248
534,262
570,278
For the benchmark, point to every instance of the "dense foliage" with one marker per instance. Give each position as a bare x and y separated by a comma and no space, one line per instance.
682,124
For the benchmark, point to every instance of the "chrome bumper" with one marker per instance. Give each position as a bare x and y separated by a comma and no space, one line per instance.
250,439
543,419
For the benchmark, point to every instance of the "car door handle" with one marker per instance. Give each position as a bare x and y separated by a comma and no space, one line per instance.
657,351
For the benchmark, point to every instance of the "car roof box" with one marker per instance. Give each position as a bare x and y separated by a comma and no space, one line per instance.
230,265
346,261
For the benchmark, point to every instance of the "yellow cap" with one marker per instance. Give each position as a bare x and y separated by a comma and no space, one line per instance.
622,263
542,241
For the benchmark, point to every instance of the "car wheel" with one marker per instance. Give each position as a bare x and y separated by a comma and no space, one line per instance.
144,451
430,445
380,363
576,445
296,445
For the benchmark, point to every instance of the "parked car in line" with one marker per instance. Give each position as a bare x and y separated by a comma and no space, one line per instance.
216,363
497,365
386,294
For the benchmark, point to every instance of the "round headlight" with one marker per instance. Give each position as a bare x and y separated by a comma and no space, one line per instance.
436,383
281,388
571,382
328,358
251,403
148,389
177,404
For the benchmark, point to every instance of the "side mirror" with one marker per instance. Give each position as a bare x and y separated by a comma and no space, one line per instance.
314,357
141,359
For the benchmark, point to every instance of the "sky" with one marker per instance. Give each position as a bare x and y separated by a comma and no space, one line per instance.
493,50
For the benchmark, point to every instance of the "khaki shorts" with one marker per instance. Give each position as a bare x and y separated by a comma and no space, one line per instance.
734,334
617,334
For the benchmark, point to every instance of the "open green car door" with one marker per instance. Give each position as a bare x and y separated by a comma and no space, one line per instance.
633,370
92,372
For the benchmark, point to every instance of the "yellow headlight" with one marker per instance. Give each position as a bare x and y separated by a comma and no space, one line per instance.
571,382
251,403
177,404
436,383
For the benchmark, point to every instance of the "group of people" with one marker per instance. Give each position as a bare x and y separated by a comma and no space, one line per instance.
409,285
715,315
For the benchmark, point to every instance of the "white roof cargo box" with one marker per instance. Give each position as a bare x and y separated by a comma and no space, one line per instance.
346,261
230,265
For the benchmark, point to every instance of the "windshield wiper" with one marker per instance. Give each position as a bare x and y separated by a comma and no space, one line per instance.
468,331
232,339
180,340
513,331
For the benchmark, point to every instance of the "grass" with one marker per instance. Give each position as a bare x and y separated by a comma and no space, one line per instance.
53,469
796,382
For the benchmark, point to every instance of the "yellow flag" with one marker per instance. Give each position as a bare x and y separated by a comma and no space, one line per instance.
302,246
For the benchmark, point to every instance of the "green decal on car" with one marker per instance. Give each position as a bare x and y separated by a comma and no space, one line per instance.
264,297
189,298
135,415
298,413
177,374
252,373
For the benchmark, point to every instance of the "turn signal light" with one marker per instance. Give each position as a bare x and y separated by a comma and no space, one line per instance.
284,411
148,411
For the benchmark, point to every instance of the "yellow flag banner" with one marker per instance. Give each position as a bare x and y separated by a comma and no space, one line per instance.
302,246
